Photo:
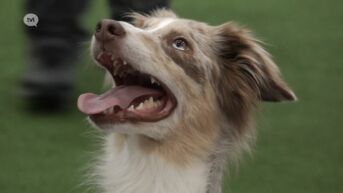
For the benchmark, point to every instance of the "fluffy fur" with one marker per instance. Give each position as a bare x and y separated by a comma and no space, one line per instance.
218,81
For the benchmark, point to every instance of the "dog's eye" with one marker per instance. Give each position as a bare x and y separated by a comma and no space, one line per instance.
180,44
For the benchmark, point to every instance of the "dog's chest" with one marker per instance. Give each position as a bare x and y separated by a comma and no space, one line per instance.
132,171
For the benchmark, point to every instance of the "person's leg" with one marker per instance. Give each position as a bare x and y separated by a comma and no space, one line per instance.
119,8
51,51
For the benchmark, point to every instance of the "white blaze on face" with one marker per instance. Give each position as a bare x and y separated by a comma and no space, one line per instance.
162,24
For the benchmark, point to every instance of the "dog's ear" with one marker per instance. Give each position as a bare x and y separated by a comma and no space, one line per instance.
241,54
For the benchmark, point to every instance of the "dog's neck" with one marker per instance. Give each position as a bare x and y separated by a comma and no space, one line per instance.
127,168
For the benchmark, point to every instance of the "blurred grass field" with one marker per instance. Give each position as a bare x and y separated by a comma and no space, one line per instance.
300,145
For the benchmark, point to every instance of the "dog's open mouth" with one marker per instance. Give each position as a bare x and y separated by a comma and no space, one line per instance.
136,97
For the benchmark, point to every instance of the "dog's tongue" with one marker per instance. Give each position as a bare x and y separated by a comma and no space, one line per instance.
121,96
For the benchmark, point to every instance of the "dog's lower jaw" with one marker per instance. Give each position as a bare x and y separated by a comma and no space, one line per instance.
126,168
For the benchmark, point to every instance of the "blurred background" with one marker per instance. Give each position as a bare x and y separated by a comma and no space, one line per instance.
299,147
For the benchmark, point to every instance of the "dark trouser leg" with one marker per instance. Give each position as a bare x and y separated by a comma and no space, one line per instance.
120,7
51,50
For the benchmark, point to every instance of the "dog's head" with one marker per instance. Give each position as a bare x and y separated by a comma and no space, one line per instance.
169,72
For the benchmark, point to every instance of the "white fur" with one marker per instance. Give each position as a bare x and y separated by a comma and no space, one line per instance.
132,171
138,55
126,167
164,23
161,25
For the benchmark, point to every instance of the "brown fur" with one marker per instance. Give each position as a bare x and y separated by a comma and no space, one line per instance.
185,59
217,81
240,75
247,74
192,139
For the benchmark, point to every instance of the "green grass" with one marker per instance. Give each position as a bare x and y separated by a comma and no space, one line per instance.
300,145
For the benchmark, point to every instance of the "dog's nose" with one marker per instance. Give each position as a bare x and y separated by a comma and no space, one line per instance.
108,29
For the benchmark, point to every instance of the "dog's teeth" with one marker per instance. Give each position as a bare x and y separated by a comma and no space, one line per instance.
140,106
149,103
157,103
155,81
151,100
131,108
124,62
152,80
153,105
146,104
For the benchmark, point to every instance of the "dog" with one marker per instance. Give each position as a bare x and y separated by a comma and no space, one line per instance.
181,103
